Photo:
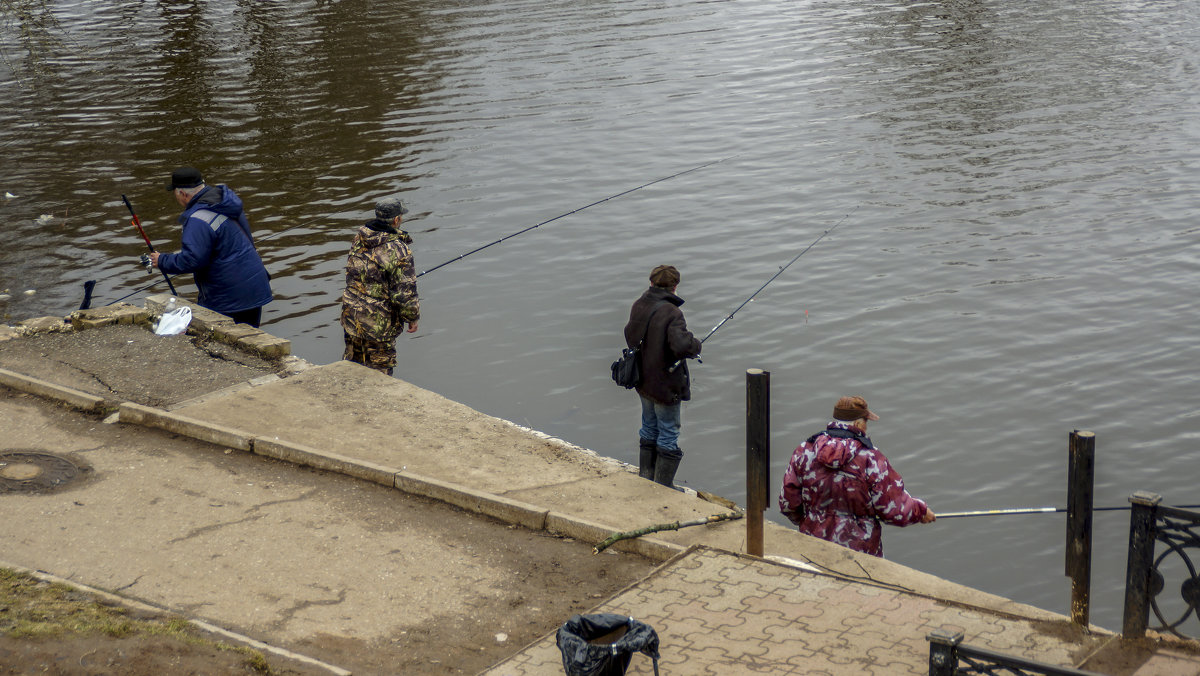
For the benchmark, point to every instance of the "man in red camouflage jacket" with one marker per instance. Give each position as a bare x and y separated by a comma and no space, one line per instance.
840,488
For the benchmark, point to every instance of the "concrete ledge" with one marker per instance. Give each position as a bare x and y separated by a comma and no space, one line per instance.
311,457
266,345
595,533
498,507
651,548
215,434
203,319
235,333
43,325
121,313
495,506
41,388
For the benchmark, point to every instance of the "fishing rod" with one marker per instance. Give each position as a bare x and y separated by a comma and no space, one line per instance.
440,265
146,260
674,366
575,211
1039,510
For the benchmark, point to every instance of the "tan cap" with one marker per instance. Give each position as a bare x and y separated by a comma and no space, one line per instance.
852,408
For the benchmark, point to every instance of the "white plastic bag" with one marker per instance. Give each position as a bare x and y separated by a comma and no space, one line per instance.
174,322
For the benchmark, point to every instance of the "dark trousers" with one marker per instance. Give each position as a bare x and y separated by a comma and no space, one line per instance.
253,316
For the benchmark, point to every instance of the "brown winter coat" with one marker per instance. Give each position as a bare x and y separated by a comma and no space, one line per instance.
667,341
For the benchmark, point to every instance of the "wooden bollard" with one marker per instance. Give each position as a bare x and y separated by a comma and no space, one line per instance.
1143,520
1081,466
758,455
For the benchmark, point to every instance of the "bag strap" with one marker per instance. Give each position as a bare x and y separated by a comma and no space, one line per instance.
646,331
839,433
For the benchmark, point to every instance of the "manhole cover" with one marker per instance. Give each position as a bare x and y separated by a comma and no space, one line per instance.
34,472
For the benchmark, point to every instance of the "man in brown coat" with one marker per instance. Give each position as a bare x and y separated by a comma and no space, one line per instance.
656,322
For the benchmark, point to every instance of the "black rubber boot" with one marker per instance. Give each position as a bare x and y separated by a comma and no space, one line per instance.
648,454
664,468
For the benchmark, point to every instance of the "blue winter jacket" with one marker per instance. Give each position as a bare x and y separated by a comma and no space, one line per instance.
216,248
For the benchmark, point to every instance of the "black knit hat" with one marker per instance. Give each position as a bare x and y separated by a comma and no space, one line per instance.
185,177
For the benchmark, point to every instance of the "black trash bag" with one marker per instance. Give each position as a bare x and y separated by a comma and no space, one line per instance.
603,644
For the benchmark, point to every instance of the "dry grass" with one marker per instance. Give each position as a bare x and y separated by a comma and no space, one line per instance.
34,609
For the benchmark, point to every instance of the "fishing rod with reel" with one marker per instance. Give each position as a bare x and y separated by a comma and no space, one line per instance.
672,367
477,249
1039,510
137,223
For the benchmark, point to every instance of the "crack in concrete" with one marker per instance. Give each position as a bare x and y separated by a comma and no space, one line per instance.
110,388
286,614
197,532
250,516
270,503
542,487
135,581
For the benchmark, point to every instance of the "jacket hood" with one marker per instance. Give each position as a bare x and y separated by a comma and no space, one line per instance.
219,198
838,445
375,233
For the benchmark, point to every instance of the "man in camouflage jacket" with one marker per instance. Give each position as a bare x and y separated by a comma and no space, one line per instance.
840,488
381,289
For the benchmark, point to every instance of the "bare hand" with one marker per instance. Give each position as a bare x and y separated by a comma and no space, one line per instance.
929,517
154,258
412,327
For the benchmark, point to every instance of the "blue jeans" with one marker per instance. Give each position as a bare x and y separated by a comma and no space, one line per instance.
660,424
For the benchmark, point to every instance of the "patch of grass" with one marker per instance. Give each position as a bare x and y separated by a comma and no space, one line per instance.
33,609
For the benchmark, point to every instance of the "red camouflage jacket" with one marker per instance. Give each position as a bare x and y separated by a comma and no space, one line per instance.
840,488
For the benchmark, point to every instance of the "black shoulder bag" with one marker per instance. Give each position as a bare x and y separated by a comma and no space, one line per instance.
627,371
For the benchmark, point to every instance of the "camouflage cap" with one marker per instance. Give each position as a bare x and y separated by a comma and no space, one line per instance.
388,208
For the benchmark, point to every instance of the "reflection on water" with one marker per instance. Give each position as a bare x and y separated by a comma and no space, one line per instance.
1017,261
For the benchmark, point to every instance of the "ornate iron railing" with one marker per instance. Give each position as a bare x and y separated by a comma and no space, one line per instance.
1146,576
949,657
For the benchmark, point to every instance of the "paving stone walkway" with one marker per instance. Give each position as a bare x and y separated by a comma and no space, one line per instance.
724,614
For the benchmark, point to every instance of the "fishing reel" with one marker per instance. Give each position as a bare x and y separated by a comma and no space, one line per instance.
146,263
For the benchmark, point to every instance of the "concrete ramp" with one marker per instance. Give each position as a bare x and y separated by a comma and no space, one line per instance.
354,411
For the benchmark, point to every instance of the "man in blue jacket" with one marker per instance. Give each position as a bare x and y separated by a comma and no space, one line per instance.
216,247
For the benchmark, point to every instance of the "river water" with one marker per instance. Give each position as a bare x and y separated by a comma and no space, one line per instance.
1013,184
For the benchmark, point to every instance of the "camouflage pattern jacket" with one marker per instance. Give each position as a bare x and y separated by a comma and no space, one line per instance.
381,284
840,488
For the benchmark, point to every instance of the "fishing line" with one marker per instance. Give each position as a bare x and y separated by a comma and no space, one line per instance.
674,366
574,211
1040,510
476,250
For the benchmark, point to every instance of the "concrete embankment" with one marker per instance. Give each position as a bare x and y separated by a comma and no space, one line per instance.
810,607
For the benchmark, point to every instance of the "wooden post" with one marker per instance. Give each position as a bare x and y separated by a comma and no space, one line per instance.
1081,465
1142,536
758,455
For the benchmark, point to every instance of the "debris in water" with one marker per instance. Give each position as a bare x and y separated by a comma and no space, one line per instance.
501,637
30,292
5,296
9,195
45,219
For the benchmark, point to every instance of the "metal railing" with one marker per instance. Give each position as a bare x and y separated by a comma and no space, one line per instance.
949,657
1146,576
